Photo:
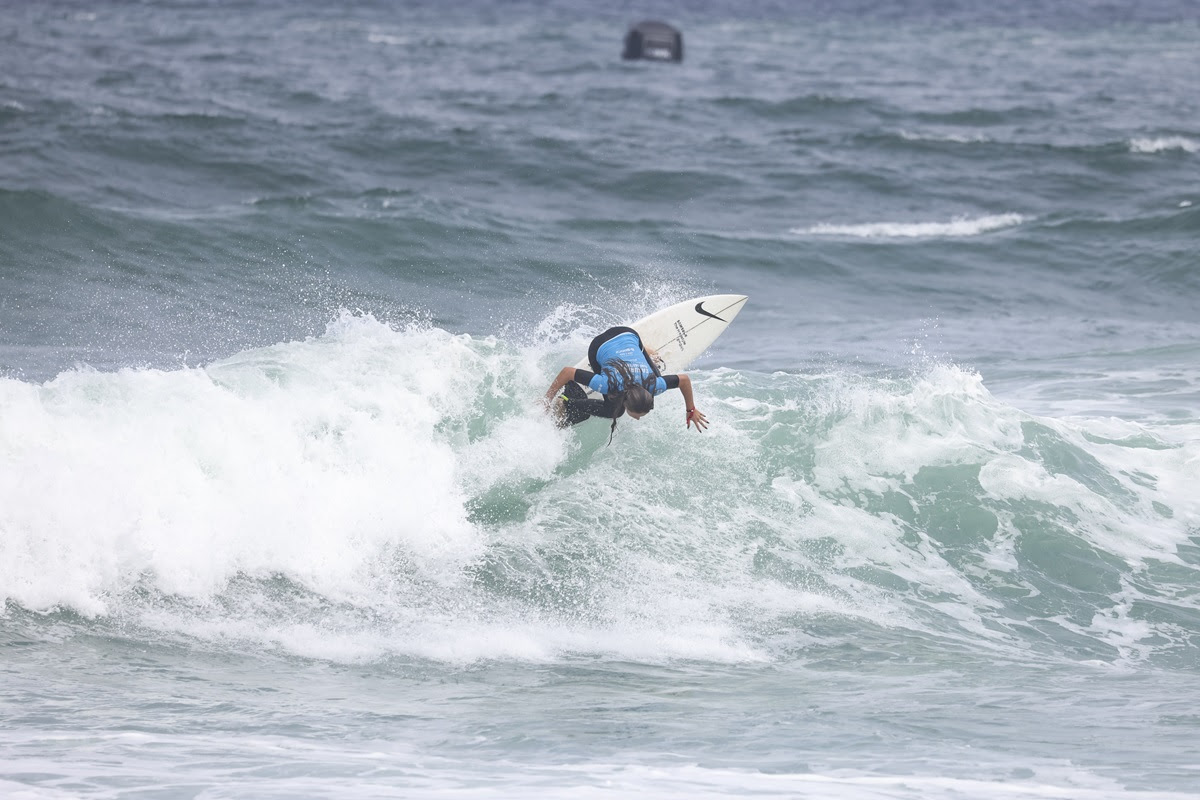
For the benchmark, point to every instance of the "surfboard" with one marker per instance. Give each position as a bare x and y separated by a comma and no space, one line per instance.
677,335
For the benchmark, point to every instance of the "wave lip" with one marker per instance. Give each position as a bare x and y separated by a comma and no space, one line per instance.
1162,144
955,228
944,138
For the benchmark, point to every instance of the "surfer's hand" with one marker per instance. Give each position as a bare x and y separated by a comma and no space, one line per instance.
564,376
694,415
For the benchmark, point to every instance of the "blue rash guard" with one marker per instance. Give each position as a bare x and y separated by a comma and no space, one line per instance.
620,343
628,348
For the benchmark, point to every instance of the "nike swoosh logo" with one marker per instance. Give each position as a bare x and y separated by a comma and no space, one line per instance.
700,310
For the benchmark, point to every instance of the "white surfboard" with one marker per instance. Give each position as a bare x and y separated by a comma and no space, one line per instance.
679,334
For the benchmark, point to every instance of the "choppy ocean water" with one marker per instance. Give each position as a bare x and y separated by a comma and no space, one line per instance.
281,283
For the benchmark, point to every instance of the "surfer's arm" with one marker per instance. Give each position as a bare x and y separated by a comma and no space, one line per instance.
565,376
689,403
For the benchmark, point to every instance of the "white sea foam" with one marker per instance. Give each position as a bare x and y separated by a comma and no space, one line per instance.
378,37
375,492
1163,144
878,439
1051,782
271,462
957,227
950,138
349,466
12,790
272,765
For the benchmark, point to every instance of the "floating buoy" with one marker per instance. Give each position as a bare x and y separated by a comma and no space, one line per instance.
653,41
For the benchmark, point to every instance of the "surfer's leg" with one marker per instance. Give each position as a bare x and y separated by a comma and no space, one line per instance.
575,406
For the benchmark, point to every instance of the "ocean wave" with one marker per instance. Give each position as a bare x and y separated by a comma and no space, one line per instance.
1164,144
957,227
381,492
947,138
800,106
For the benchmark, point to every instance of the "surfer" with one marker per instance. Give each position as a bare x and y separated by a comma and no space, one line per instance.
624,372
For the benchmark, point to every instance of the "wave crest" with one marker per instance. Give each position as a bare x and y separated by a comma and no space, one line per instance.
1163,144
375,492
957,227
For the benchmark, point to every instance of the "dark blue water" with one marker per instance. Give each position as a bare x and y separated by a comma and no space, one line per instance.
281,285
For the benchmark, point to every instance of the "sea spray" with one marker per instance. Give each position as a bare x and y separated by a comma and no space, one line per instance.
400,491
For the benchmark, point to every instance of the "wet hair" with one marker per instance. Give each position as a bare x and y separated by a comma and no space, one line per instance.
636,395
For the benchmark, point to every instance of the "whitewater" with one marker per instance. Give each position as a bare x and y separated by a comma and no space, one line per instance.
405,480
394,500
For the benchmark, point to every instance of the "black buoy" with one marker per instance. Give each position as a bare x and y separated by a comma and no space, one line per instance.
653,41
